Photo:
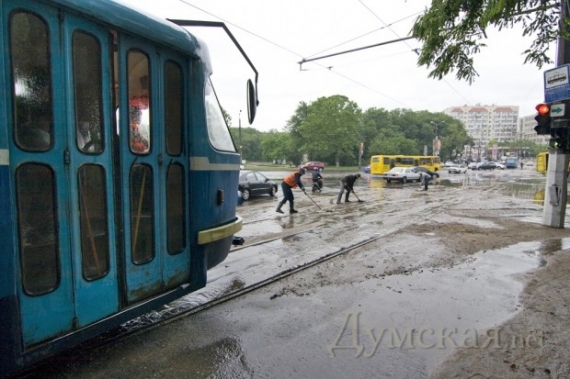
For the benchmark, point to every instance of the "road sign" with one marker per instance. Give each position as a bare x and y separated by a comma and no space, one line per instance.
557,110
557,84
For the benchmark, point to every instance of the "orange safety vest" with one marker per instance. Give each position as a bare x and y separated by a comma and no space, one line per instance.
290,180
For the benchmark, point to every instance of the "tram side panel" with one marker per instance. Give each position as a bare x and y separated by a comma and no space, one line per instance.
9,322
32,323
10,330
214,172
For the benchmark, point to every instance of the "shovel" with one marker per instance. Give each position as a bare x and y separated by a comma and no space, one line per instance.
360,201
312,200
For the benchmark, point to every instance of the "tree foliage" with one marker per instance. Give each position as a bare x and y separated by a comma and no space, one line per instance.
403,131
330,129
452,31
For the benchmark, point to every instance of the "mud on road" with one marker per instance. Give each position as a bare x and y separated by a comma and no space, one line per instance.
459,217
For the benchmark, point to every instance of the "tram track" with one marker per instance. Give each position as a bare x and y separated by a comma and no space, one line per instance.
119,334
305,224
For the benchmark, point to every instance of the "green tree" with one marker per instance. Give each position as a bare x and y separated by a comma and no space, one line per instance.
277,146
293,124
251,142
330,129
394,145
452,31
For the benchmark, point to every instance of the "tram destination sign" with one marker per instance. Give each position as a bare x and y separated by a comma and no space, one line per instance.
556,84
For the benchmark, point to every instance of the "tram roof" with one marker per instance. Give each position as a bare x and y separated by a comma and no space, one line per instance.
139,22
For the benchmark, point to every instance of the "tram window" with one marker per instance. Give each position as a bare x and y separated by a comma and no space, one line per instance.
139,102
37,215
87,81
31,82
218,131
175,208
93,221
142,214
173,104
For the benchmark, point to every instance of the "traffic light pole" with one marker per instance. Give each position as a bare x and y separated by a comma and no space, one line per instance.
556,191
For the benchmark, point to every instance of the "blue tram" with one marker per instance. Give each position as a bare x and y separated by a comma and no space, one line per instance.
118,174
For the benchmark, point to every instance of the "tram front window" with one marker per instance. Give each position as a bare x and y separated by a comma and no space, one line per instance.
218,131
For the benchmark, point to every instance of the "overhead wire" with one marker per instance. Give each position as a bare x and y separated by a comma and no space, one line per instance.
397,35
329,68
364,35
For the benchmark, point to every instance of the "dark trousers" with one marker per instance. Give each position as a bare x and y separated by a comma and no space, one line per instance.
287,196
343,187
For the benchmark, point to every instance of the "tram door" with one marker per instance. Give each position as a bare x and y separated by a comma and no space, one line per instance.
154,180
61,167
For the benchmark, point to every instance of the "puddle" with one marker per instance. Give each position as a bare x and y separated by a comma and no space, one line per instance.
463,300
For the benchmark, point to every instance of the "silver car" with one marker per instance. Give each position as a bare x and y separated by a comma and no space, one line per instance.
457,169
402,174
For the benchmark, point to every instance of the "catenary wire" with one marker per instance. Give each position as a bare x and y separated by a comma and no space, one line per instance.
397,35
329,68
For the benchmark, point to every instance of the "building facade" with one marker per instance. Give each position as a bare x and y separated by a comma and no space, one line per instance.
485,123
527,132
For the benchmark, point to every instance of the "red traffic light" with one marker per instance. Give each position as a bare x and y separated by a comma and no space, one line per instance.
543,109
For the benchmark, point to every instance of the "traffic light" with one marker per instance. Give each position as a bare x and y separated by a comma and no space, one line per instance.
559,139
543,119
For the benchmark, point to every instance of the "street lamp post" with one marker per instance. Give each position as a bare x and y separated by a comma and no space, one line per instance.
436,139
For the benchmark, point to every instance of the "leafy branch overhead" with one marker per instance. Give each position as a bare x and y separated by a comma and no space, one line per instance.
453,31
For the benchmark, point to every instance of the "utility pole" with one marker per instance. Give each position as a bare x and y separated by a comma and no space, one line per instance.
435,146
556,191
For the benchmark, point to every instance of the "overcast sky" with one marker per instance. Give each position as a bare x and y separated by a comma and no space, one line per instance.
276,35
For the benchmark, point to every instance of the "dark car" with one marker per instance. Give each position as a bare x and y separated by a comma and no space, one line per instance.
253,183
366,169
486,166
427,171
310,166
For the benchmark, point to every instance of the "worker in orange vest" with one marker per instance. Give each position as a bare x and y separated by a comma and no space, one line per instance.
289,182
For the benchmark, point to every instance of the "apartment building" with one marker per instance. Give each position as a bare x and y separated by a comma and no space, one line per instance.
526,131
486,123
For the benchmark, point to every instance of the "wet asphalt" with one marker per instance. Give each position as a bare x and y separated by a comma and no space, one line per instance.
362,314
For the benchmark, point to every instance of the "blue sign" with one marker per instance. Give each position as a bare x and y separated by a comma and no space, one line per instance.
557,84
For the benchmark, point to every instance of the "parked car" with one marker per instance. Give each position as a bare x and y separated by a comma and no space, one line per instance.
486,166
472,166
366,169
402,174
500,166
310,166
253,183
419,169
457,169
